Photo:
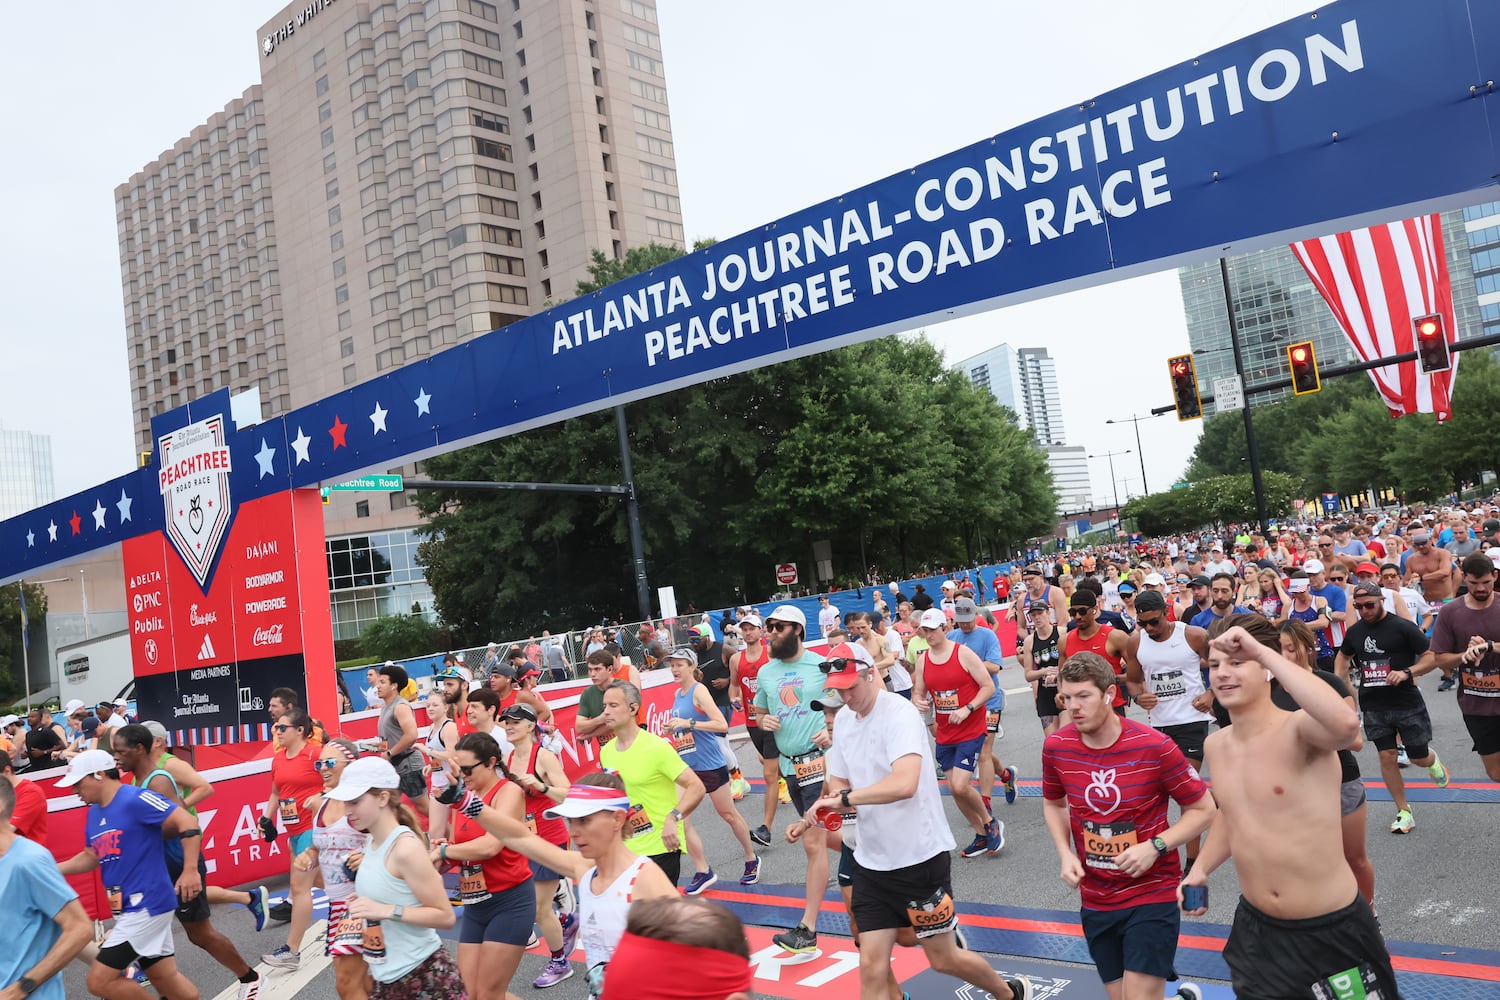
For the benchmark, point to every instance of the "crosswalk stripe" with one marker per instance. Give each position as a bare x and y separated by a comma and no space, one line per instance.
283,984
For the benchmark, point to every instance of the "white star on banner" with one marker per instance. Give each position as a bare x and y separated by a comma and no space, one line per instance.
124,505
264,458
51,531
377,419
422,400
30,539
98,514
299,445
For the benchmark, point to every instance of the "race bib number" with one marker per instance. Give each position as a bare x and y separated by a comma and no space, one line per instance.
944,702
1169,685
1359,983
531,822
116,899
683,741
1374,673
932,916
807,768
992,720
349,934
637,823
289,814
1103,843
1481,685
471,885
373,943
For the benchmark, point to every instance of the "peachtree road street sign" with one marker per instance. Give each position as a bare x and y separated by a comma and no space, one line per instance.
370,484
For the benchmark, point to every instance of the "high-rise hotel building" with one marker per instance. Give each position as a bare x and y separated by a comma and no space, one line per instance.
404,176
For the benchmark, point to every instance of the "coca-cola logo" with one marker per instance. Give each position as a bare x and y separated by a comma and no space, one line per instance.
656,719
269,636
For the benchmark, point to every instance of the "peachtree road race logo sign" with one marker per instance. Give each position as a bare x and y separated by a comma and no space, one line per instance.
194,481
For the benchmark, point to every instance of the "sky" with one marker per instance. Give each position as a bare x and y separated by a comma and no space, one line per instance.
775,106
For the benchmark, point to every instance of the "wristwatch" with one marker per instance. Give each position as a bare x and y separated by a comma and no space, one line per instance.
26,985
398,912
1160,845
675,814
844,798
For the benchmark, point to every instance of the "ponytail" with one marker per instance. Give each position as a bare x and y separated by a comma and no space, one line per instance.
407,818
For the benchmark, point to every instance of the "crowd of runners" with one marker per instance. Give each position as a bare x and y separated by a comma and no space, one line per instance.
1259,663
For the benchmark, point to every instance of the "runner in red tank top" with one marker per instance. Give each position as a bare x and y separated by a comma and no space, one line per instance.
953,681
744,669
1086,634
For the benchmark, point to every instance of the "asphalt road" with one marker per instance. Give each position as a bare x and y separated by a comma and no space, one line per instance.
1434,885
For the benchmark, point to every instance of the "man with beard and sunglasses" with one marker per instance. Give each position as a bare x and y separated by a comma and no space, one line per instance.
785,689
1463,644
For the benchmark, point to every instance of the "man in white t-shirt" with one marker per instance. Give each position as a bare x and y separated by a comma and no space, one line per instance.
881,764
900,668
828,616
1218,564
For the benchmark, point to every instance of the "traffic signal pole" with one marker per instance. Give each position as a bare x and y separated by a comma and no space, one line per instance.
1239,369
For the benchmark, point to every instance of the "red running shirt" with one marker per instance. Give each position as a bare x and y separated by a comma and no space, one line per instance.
951,688
506,869
1117,797
296,780
748,672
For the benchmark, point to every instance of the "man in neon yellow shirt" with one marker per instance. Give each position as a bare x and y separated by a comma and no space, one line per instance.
663,789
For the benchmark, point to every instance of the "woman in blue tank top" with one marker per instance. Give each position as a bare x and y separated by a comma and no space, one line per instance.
694,729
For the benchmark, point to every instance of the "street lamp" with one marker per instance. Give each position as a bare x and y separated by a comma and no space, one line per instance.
1114,484
1140,452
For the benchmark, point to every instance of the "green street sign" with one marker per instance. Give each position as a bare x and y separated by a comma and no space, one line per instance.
370,484
1181,486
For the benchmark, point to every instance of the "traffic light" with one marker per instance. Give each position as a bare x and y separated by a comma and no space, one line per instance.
1303,361
1432,344
1185,387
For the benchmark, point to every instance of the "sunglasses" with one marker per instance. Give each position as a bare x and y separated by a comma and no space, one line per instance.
326,764
281,728
1150,622
1078,612
780,626
1338,579
468,772
1366,605
836,665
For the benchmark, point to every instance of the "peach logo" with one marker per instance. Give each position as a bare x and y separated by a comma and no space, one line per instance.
791,693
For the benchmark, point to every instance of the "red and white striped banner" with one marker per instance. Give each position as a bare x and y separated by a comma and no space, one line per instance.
1377,281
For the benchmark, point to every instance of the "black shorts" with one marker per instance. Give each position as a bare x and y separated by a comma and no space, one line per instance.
1140,939
1413,725
1189,738
1484,730
671,863
713,780
1046,702
1271,959
195,909
919,896
412,776
846,865
803,797
764,743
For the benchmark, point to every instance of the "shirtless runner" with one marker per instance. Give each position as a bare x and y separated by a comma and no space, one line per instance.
1431,565
1302,929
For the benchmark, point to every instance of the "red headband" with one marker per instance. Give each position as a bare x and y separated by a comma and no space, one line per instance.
650,969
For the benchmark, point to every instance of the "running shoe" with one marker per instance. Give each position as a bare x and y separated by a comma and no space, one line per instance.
752,873
1404,822
283,958
700,882
999,730
782,795
281,910
995,837
761,835
571,925
798,940
565,899
248,991
555,971
1446,684
980,844
959,939
1438,771
1189,991
535,937
260,903
1009,777
1020,987
1401,759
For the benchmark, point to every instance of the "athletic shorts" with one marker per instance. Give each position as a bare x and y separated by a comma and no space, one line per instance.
1189,738
1139,939
846,865
670,863
338,912
1484,730
1351,796
1046,703
412,775
764,743
803,797
964,755
300,842
195,909
436,977
541,873
505,918
919,896
137,934
1271,959
713,780
1413,725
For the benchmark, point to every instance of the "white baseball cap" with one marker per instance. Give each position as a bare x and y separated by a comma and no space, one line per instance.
788,613
1313,566
365,775
72,706
1298,584
88,763
1154,580
9,720
933,618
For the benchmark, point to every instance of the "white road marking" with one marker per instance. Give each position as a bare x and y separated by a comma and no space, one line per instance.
283,984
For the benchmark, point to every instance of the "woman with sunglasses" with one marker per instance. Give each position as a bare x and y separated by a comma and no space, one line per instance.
1266,596
399,903
541,776
1040,659
694,729
610,875
1299,646
295,787
494,882
333,842
442,734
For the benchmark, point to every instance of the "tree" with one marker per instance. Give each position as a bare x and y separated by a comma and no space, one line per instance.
11,680
394,637
877,447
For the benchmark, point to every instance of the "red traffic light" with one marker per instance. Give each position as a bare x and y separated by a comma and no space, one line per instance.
1427,326
1431,343
1302,358
1185,387
1299,354
1179,368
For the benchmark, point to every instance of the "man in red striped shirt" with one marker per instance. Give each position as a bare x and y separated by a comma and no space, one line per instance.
1105,785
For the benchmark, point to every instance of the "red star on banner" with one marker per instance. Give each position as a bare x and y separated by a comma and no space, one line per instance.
77,523
337,432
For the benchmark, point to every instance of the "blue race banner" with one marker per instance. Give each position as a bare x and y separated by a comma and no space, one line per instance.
1361,112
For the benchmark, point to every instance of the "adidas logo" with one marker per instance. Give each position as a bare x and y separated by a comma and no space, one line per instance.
206,651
